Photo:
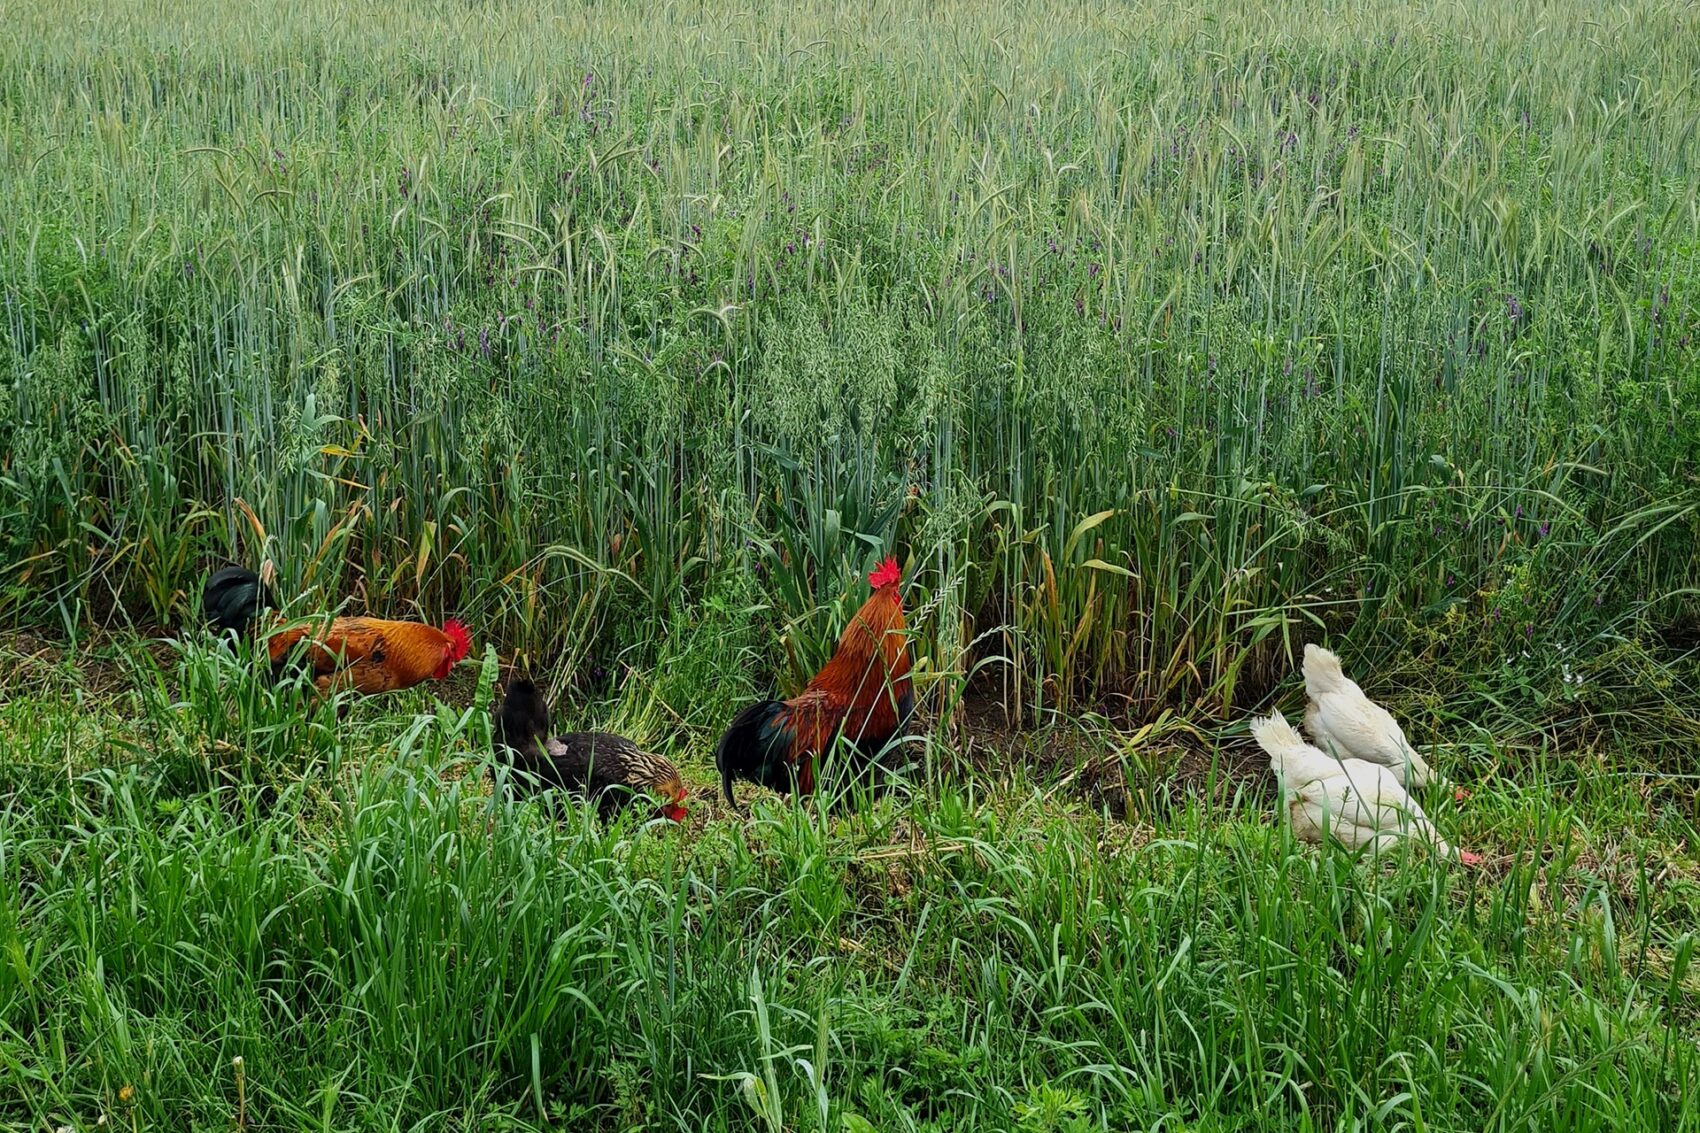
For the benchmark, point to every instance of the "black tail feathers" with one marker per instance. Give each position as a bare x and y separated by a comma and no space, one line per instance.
233,596
754,748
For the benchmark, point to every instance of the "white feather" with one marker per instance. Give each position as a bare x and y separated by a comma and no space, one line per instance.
1361,804
1343,721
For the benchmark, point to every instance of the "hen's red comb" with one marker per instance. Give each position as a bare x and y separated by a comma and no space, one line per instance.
888,573
460,642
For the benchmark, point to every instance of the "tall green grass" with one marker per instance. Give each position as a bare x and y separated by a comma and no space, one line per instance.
1153,335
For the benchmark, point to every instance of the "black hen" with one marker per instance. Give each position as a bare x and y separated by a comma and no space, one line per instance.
609,770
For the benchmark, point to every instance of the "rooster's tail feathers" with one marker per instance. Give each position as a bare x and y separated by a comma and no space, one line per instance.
754,748
1322,671
233,596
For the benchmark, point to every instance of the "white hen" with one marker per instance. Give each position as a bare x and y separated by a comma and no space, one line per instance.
1343,721
1360,803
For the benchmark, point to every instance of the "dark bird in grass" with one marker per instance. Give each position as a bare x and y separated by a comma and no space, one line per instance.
608,770
368,655
863,693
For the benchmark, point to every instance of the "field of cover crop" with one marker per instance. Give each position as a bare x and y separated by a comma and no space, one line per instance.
1155,342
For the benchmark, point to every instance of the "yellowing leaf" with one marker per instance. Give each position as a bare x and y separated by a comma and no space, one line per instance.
1100,564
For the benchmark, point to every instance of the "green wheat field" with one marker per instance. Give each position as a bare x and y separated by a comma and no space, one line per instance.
1156,340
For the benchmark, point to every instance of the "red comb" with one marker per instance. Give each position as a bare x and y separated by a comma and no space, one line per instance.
886,574
460,642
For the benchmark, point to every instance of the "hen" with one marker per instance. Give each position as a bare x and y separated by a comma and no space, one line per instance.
1361,804
368,655
1345,722
610,771
863,692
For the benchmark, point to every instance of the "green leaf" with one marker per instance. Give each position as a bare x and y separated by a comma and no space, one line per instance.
1083,527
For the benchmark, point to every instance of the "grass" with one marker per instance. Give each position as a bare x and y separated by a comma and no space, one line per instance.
1155,340
1150,337
384,942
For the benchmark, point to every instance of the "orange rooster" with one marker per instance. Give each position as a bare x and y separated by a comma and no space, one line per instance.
863,692
368,655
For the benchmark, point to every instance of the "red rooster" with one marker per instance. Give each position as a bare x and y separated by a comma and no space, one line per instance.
863,692
369,655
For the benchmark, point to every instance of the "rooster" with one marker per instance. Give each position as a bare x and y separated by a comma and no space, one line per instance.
1342,720
1361,804
863,692
368,655
611,771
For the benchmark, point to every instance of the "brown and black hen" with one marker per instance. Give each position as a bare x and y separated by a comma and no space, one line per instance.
608,770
